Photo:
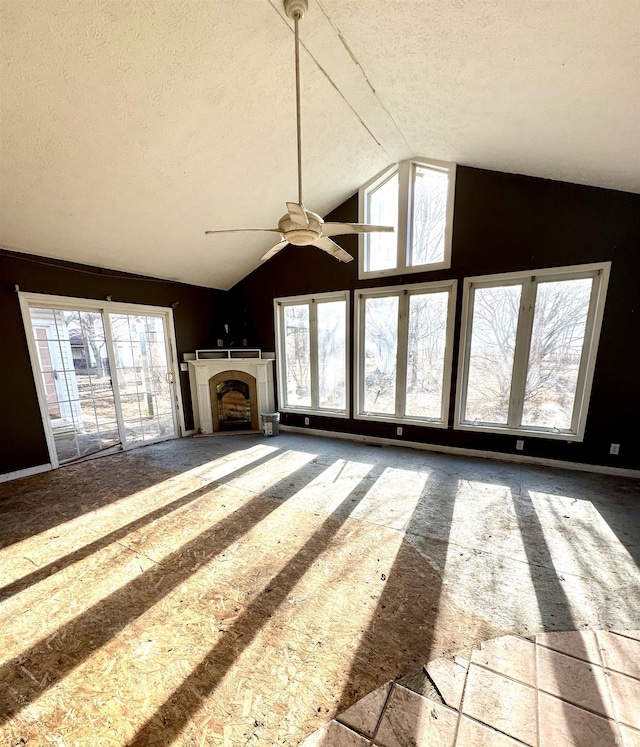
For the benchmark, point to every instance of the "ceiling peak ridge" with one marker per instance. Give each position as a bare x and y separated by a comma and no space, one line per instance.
363,72
330,52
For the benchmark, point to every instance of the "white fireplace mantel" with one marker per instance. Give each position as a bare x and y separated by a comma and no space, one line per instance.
201,371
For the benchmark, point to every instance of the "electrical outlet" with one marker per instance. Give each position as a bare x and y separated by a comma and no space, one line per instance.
519,445
615,449
306,421
399,430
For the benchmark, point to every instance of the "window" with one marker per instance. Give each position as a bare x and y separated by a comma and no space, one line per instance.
528,350
404,352
416,198
313,345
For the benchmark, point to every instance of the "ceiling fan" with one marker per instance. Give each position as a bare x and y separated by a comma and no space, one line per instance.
300,226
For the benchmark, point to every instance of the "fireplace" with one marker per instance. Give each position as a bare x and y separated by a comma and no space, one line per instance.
234,401
228,394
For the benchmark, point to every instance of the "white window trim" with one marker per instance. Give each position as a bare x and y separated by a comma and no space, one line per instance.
310,298
28,300
600,272
406,170
405,291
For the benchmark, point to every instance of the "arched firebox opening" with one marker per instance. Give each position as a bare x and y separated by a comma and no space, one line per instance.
234,403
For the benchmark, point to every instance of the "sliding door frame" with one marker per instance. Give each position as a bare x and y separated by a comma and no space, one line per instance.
68,303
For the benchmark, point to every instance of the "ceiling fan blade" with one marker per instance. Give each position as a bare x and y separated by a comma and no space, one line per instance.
340,229
241,230
274,250
297,214
329,246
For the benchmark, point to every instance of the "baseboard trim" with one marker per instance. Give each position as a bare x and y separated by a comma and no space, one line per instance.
460,451
190,432
8,476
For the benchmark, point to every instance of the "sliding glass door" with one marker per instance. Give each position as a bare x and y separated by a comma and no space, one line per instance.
73,365
144,376
105,378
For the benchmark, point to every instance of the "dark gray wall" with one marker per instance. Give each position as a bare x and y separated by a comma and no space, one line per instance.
502,223
197,320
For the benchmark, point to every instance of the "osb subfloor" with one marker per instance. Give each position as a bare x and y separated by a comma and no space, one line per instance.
570,688
246,590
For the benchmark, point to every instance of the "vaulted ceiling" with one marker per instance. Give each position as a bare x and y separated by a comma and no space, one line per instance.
131,126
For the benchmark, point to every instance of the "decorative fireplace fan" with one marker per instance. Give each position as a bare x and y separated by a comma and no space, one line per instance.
300,226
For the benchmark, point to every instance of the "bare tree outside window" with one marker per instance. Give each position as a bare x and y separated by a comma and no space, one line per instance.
80,396
405,360
416,198
297,357
87,332
493,343
425,354
332,339
142,368
430,188
559,324
381,345
312,334
382,209
557,337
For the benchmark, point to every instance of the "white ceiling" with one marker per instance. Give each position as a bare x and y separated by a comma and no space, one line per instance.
130,126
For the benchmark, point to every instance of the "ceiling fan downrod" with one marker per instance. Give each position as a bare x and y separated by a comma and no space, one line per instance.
299,226
295,9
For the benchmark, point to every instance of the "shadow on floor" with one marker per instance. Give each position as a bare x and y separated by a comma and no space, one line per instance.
51,659
121,532
169,720
539,555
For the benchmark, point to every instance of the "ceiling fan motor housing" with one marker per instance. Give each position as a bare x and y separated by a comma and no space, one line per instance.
299,235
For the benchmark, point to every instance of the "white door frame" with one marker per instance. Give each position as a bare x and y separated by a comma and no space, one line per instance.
69,303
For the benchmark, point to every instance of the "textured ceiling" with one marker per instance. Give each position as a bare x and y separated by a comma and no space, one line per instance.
130,126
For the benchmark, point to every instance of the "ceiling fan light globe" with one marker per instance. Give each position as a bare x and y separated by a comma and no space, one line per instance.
301,236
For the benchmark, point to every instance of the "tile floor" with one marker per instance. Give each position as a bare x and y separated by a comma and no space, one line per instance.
244,591
574,688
